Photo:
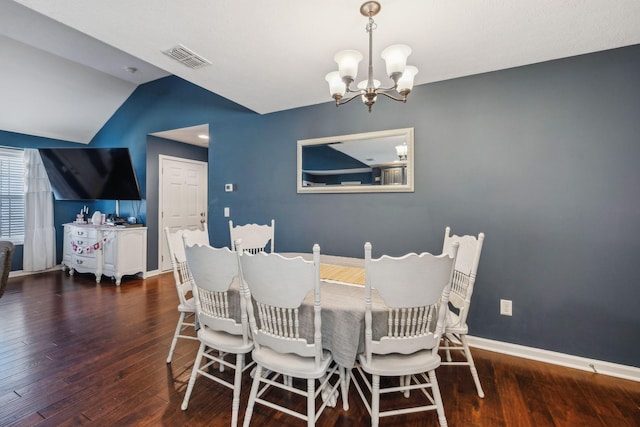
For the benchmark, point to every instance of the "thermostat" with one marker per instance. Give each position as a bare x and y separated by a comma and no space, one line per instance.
228,188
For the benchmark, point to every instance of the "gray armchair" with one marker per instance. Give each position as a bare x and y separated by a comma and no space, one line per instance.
6,253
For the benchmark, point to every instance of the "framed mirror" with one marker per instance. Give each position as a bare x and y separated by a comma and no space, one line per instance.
359,163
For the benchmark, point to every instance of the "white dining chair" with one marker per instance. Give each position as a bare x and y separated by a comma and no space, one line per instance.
275,290
456,330
415,289
221,333
182,278
255,237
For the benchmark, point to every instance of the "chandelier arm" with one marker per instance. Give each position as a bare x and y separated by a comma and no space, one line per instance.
386,89
403,99
358,91
341,102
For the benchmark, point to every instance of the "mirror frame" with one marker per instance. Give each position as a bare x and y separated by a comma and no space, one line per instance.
390,188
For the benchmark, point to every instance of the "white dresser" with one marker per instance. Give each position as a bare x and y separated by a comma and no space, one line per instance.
112,251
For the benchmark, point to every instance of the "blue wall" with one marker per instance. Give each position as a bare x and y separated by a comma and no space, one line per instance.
161,105
164,104
543,159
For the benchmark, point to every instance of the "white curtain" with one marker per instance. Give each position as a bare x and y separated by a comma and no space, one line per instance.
39,230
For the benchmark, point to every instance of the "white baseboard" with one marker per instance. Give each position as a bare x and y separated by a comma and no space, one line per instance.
592,365
153,273
19,273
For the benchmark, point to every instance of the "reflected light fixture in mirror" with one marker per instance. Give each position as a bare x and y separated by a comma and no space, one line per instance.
357,163
401,151
395,57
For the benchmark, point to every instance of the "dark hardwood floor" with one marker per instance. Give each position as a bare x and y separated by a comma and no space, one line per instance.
74,353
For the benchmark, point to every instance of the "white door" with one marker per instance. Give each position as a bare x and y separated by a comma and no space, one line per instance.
182,199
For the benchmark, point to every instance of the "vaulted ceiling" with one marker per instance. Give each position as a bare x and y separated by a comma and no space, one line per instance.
67,65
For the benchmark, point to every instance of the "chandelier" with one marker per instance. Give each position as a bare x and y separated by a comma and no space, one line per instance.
395,57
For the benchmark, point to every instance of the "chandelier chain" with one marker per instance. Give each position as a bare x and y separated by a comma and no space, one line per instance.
371,25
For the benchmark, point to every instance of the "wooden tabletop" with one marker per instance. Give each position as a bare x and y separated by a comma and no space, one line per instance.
341,273
337,268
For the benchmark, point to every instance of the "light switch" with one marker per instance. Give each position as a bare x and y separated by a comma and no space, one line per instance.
228,188
226,212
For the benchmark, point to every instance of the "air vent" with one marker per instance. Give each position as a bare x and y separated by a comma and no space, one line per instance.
187,57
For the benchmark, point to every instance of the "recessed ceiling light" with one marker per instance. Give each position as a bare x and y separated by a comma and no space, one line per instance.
131,70
203,136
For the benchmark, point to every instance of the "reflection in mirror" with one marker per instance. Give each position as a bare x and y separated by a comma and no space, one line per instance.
359,163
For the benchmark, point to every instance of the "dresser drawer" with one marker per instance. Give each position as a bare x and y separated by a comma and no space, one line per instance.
83,233
80,244
83,262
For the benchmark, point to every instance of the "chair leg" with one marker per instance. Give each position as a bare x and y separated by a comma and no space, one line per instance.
435,389
375,400
472,365
194,374
448,344
222,355
252,396
175,336
311,402
235,406
406,382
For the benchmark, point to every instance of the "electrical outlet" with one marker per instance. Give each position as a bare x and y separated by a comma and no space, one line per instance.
226,212
506,307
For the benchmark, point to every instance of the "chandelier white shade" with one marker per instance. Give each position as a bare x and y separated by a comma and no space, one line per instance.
336,85
348,61
405,82
395,58
363,84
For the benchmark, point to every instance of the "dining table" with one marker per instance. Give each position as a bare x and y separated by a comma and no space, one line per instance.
342,286
342,307
342,301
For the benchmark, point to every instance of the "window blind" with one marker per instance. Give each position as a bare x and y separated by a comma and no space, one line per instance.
12,195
